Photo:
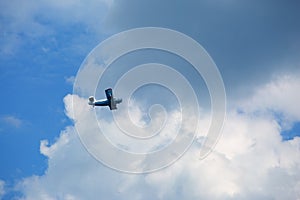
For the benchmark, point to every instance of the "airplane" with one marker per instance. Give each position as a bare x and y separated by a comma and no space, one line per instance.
110,100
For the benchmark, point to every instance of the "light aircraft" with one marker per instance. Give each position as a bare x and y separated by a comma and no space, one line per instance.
109,101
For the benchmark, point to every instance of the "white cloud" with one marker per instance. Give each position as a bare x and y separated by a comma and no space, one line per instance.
12,121
280,97
250,162
27,20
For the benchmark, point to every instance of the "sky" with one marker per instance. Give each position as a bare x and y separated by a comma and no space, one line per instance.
44,44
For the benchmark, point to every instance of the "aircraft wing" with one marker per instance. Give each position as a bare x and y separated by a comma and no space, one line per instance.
110,98
109,94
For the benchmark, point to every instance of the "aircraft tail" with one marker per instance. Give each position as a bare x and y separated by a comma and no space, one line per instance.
92,100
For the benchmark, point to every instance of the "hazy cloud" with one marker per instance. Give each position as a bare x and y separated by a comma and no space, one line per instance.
248,40
70,80
12,121
31,20
2,190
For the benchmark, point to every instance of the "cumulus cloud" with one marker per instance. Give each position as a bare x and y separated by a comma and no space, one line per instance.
279,97
250,161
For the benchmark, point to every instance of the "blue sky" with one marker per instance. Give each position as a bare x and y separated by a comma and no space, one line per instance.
255,44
